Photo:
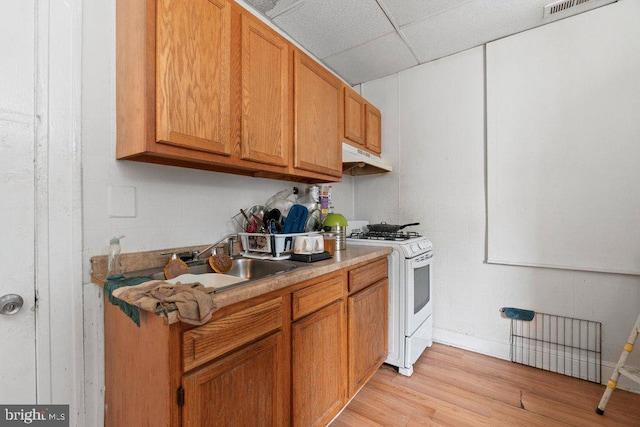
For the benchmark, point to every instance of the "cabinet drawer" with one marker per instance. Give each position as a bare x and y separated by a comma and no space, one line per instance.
216,338
361,277
308,300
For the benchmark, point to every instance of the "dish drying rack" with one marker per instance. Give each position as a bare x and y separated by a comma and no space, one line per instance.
269,246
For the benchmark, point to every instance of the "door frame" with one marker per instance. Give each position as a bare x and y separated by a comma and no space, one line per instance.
58,206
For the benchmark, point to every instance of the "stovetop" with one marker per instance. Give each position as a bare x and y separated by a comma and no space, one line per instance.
380,235
409,243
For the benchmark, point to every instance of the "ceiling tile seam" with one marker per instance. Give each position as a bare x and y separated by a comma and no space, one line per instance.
358,45
439,12
389,16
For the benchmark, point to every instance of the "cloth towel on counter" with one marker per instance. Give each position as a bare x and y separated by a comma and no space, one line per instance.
185,302
117,282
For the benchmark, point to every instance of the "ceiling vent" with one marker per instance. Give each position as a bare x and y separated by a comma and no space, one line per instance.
561,6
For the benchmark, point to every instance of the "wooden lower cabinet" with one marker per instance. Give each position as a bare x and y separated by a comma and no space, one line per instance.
245,388
368,333
291,357
319,374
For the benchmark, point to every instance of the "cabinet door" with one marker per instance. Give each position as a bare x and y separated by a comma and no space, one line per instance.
319,381
317,118
373,122
368,332
193,74
354,116
266,112
246,388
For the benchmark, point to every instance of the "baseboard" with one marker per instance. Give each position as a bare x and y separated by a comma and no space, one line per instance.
502,351
468,342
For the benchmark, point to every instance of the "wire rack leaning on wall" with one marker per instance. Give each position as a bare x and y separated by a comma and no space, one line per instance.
565,345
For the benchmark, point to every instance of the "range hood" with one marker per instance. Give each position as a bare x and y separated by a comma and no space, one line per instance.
359,162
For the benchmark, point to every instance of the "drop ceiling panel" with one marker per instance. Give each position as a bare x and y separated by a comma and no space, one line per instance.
404,12
476,23
378,58
358,40
326,27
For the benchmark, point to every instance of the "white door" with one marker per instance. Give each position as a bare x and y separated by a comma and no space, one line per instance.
17,194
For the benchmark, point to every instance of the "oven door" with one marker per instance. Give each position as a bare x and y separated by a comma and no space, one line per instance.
418,302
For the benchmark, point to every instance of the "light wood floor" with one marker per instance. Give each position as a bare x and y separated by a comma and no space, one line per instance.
454,387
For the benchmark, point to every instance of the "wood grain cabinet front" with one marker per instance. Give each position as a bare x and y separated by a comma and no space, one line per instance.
354,116
373,129
368,308
244,388
319,350
266,113
318,111
362,122
193,70
319,366
368,333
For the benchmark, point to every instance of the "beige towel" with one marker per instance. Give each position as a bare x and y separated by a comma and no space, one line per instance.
186,302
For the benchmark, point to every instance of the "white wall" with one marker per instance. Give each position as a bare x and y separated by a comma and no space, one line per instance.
434,134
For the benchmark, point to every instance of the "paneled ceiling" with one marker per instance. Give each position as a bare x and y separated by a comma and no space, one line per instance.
362,40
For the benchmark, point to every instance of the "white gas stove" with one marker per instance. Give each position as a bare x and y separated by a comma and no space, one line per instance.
410,304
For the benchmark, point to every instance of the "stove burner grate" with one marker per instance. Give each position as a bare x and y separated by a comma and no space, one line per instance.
384,235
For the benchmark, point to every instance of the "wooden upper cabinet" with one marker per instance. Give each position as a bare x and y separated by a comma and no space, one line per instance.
362,122
373,120
317,117
266,112
205,84
354,116
193,74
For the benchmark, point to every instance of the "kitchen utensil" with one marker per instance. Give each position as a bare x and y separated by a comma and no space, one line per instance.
313,221
221,263
283,200
383,227
250,224
296,220
175,267
259,223
333,220
273,221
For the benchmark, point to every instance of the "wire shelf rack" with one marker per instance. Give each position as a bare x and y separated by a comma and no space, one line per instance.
565,345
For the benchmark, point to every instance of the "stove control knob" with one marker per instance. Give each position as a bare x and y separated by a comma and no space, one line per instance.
414,248
423,245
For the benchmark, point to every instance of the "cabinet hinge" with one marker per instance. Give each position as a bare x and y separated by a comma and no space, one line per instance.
180,396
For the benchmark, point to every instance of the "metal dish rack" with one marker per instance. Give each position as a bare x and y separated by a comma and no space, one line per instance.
560,344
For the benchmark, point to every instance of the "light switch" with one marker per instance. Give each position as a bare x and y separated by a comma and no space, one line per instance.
121,201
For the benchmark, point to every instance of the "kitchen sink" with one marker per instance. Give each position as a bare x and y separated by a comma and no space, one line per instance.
245,269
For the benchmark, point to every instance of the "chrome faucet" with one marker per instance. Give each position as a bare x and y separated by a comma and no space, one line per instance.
194,256
230,238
